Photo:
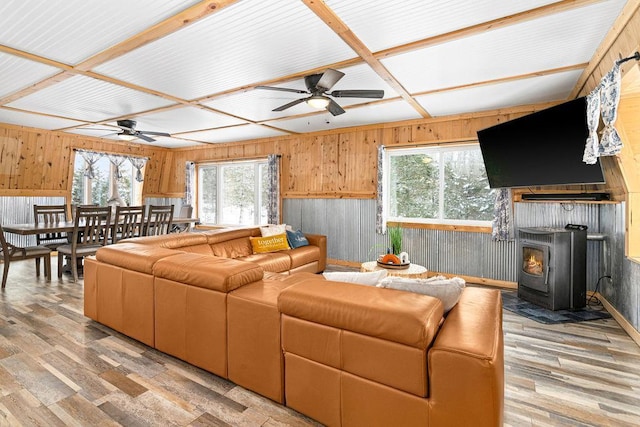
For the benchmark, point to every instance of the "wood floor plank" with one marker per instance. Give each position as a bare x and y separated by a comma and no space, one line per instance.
57,367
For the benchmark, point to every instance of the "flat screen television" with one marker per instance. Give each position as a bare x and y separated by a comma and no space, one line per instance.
542,148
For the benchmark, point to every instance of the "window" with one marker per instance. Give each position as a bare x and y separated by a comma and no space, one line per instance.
102,188
233,193
438,185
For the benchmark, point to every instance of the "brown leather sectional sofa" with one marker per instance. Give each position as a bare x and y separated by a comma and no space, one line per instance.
343,354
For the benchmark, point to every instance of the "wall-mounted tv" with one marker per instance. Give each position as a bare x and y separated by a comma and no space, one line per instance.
542,148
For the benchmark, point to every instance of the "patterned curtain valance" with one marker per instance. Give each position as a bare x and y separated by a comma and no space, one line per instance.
92,157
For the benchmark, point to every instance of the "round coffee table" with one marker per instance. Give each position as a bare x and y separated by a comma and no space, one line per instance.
414,271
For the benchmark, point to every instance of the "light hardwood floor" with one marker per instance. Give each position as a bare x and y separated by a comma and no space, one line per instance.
59,368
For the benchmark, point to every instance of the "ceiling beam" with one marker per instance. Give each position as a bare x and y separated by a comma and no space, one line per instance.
517,18
183,19
329,17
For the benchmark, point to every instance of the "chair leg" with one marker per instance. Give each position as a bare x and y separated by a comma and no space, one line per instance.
74,269
47,267
37,267
6,273
60,261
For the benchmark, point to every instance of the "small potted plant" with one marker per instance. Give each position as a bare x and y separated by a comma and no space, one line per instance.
395,239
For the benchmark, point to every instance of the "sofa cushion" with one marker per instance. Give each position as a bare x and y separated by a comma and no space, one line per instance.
210,272
273,229
303,255
277,242
171,241
277,262
402,317
296,239
447,290
234,248
133,256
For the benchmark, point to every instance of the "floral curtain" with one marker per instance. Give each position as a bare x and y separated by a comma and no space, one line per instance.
273,189
189,179
610,142
138,163
90,158
117,162
593,118
381,219
603,102
115,199
502,224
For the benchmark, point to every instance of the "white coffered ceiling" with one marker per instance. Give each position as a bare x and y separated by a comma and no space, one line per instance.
189,68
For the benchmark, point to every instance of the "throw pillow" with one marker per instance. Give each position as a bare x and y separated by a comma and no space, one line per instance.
369,278
272,229
296,239
447,290
269,243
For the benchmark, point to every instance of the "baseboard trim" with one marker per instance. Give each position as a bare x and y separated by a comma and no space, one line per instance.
622,321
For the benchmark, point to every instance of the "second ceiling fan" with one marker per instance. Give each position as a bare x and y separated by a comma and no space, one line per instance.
318,86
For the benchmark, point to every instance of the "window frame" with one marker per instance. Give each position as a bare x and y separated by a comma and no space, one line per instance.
426,149
87,183
260,164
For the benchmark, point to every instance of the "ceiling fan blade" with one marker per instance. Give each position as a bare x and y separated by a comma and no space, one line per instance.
148,132
290,104
144,137
282,89
357,93
334,108
329,78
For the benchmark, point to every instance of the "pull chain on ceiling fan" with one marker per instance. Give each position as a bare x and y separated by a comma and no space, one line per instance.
318,86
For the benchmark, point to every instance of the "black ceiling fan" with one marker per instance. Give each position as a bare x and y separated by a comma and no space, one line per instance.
129,131
318,86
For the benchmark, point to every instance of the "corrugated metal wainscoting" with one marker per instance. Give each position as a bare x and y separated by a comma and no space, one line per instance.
17,210
349,225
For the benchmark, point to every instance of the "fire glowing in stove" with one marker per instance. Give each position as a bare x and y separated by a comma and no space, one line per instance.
533,265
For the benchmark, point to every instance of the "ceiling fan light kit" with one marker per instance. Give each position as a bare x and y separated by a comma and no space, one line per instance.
318,86
125,136
318,101
129,132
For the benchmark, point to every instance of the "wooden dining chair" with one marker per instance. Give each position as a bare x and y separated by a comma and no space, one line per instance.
50,215
159,220
128,222
91,229
13,253
185,212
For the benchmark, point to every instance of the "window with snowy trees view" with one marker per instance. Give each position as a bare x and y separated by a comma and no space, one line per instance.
233,193
440,184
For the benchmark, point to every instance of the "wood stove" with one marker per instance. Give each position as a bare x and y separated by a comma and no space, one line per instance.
552,271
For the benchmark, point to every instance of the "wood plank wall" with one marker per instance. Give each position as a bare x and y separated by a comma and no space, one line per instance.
36,162
334,164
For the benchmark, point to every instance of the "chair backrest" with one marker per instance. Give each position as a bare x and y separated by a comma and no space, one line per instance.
50,214
185,211
159,220
74,208
128,222
91,226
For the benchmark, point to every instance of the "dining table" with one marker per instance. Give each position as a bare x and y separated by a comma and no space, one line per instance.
30,228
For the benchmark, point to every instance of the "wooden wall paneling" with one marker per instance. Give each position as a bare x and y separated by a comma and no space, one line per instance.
330,163
9,166
358,163
397,135
58,163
